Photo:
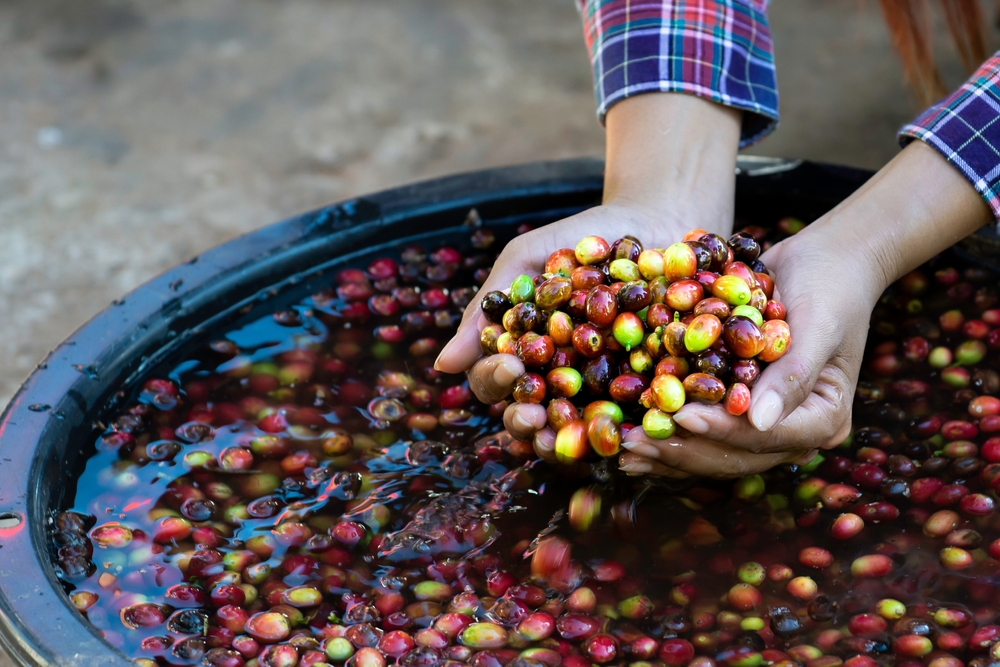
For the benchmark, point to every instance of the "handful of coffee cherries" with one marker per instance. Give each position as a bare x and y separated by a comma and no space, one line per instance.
613,332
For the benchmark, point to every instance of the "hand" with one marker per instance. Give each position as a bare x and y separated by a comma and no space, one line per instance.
802,401
492,378
829,277
670,167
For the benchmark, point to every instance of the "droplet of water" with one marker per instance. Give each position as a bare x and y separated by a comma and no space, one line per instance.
39,407
176,285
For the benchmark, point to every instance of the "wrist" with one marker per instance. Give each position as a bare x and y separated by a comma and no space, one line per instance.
913,208
859,264
674,155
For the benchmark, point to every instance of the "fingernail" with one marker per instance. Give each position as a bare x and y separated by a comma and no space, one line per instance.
806,458
521,423
766,413
504,375
635,468
443,353
691,422
641,448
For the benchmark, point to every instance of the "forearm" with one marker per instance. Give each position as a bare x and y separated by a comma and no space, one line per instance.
912,209
674,154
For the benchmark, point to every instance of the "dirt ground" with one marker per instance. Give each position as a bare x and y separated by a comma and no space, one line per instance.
134,135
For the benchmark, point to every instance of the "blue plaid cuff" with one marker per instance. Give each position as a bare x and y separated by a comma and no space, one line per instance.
965,129
720,50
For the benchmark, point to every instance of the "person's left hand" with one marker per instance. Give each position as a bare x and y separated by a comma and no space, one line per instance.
802,402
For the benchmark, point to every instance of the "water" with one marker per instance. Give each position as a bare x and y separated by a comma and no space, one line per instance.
460,496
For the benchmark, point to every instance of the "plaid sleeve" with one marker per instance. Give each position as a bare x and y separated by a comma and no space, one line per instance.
965,128
717,49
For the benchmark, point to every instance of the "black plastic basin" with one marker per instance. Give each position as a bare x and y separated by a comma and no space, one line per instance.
56,411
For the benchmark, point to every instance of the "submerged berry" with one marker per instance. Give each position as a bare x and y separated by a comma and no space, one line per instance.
584,508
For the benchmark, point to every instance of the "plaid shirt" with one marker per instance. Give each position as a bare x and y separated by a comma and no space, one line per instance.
717,49
721,50
965,128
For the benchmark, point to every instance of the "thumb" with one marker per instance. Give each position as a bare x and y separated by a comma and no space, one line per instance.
463,349
787,382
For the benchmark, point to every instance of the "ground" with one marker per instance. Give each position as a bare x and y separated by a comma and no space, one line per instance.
134,135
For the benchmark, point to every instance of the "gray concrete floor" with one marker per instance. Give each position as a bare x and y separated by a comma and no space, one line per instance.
135,134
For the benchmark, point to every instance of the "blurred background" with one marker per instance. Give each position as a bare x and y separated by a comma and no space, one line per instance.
136,134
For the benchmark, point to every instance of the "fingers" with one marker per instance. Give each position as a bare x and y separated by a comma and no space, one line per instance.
463,349
491,379
820,421
699,456
819,322
787,382
545,444
523,419
636,466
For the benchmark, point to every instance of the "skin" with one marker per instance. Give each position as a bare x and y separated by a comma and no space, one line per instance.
922,205
669,168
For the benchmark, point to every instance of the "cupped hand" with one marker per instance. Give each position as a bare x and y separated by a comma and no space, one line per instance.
492,378
669,167
802,402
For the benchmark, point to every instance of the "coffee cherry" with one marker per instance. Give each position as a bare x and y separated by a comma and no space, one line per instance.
731,289
592,250
602,306
668,393
702,333
604,435
704,388
571,442
658,424
553,293
679,262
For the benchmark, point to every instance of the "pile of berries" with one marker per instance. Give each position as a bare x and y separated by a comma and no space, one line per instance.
617,328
